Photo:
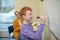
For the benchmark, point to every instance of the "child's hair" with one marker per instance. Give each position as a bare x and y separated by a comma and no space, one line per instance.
24,9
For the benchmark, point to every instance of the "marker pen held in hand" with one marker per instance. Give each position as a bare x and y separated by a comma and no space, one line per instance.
43,18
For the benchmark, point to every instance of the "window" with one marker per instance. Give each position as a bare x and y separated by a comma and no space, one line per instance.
6,14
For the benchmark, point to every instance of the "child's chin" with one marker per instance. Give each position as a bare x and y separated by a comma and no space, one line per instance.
30,20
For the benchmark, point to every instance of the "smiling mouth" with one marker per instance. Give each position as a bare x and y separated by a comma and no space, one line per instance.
30,18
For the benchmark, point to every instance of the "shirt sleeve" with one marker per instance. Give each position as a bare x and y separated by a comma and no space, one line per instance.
25,31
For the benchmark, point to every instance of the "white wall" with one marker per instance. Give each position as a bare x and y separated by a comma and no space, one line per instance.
51,8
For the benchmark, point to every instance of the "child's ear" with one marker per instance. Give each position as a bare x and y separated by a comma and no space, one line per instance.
23,16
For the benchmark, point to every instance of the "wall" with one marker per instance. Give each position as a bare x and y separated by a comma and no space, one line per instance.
51,8
34,4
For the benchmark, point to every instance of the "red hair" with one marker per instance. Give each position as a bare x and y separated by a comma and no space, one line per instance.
24,9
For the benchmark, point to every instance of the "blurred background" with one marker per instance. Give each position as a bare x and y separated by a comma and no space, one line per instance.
49,8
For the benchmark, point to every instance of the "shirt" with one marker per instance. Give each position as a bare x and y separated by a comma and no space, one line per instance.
27,33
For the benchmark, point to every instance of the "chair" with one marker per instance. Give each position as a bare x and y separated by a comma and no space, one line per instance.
10,30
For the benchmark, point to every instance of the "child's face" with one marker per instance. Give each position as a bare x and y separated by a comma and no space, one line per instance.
17,15
28,16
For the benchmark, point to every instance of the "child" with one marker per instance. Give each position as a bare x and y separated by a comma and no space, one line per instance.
26,30
16,25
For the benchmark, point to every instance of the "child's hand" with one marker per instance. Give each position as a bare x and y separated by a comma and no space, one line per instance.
43,19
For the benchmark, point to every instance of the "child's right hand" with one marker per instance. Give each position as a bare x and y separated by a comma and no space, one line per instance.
43,19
